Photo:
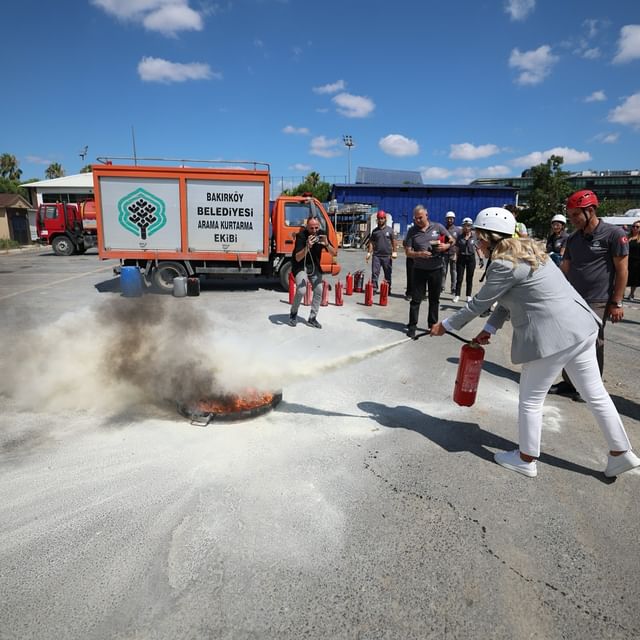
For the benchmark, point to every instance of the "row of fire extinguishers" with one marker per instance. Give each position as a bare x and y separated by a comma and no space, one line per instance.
471,354
354,283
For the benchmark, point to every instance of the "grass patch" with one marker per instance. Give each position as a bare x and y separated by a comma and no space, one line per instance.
5,244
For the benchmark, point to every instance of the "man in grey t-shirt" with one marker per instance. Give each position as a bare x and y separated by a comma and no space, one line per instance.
595,262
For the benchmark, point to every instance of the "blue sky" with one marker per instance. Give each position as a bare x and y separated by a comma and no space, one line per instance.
456,89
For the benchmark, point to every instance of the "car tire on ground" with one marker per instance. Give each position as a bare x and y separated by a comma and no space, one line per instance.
163,275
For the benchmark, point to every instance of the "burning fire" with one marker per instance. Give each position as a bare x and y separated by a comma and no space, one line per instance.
223,405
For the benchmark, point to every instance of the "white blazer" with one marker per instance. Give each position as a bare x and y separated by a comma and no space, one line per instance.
547,314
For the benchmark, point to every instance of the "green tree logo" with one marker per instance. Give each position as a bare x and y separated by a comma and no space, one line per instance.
142,213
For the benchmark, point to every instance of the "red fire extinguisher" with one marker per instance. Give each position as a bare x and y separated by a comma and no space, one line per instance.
358,281
368,294
308,294
292,287
349,287
468,376
325,294
339,288
384,293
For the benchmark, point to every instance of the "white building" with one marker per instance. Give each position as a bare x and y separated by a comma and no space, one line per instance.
75,188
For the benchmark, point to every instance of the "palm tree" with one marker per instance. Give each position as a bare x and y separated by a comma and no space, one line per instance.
9,167
54,170
313,179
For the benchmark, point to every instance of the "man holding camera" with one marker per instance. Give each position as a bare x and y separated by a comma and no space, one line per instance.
305,265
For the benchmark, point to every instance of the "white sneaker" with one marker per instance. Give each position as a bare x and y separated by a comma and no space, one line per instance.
469,298
512,460
455,298
619,464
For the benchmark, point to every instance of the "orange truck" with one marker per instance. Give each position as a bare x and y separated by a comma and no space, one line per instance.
188,221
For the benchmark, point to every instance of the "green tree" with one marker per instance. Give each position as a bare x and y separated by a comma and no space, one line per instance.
549,191
86,169
312,184
9,167
616,207
54,170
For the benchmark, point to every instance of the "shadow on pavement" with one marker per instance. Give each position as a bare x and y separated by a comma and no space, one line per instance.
293,407
455,436
385,324
626,407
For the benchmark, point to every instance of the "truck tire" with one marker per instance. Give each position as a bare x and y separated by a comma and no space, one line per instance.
63,246
163,275
284,272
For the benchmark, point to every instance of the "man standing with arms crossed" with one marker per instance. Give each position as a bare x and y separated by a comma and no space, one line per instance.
382,245
595,262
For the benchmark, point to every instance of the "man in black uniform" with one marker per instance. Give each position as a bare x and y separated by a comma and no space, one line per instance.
382,245
425,243
595,261
305,265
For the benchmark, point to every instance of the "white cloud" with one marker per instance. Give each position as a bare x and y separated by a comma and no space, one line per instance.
298,130
339,85
325,147
591,54
463,174
467,151
519,9
397,145
352,106
592,26
569,156
172,18
300,167
38,160
496,171
159,70
596,96
534,65
628,112
607,138
629,43
164,16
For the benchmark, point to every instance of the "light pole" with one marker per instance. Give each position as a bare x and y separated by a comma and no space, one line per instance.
348,142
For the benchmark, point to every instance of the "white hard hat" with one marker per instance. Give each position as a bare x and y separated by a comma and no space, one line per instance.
449,214
467,221
559,218
496,219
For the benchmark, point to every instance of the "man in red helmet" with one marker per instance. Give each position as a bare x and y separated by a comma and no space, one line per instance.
596,264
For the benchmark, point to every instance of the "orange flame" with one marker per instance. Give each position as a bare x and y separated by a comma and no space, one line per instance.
235,403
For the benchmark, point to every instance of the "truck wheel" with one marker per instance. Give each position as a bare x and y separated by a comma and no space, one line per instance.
164,273
62,246
284,272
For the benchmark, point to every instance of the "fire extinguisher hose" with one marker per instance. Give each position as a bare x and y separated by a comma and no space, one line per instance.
457,337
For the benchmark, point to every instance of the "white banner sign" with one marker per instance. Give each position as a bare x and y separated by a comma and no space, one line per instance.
226,216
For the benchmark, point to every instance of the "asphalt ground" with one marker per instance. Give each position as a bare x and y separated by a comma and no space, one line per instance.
366,505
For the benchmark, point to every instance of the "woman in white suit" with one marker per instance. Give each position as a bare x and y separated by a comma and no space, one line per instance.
553,328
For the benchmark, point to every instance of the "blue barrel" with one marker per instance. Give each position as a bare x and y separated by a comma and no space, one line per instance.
131,282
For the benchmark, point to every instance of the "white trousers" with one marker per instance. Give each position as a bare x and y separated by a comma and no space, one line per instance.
581,364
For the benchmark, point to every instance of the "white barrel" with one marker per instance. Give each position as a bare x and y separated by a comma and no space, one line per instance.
180,287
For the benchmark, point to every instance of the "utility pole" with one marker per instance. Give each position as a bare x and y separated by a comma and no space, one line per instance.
348,142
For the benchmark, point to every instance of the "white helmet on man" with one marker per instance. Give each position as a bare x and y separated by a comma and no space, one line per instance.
450,214
467,221
559,218
496,219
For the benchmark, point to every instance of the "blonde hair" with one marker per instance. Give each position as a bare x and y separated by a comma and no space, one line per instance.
514,249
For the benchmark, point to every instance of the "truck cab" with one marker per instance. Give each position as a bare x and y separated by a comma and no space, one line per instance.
69,228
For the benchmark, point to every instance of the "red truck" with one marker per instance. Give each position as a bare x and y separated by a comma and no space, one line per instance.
189,221
68,228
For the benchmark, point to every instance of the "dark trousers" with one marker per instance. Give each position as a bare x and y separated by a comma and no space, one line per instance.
409,266
449,264
468,264
600,309
376,263
425,280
